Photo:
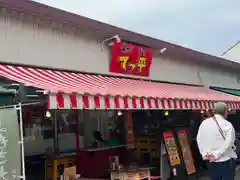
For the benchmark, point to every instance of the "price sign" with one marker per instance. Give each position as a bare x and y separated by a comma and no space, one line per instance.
171,148
186,151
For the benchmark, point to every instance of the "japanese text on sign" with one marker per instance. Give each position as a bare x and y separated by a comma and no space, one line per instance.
186,151
3,155
128,65
10,160
171,148
130,59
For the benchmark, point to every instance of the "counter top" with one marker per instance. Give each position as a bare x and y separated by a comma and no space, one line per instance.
101,149
132,169
62,155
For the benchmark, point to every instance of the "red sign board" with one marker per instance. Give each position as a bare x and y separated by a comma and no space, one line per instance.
171,148
130,59
186,151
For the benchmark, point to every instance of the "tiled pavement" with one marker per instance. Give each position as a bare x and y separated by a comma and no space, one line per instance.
237,175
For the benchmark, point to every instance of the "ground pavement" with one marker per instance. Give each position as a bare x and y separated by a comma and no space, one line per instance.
237,175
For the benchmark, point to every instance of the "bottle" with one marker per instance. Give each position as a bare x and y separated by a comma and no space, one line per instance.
113,166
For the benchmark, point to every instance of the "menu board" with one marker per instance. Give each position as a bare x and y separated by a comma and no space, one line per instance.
171,148
186,152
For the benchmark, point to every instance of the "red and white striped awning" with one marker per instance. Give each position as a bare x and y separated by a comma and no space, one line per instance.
71,90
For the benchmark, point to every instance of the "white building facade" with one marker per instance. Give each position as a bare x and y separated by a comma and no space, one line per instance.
29,40
35,35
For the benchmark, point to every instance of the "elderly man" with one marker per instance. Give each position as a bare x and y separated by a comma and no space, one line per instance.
215,139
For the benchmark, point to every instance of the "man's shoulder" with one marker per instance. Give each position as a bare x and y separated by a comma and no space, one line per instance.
225,124
205,123
210,121
223,120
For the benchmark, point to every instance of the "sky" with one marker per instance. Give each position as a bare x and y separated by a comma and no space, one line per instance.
210,26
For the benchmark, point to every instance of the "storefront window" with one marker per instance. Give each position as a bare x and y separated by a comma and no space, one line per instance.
39,130
68,129
104,128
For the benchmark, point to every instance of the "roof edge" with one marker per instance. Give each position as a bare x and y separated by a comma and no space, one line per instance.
61,16
230,48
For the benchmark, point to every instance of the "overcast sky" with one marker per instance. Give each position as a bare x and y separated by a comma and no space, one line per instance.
211,26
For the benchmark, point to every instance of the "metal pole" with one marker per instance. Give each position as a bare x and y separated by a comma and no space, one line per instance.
77,130
25,104
161,150
161,159
55,138
98,121
98,127
22,140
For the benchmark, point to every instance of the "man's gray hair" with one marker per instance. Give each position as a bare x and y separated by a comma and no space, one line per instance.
220,108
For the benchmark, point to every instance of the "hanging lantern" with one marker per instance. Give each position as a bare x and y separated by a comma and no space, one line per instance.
166,113
119,113
48,114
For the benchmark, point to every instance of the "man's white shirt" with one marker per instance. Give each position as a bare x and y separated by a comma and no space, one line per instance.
210,140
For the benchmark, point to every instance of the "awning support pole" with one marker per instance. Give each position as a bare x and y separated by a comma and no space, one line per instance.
77,132
22,105
19,108
55,135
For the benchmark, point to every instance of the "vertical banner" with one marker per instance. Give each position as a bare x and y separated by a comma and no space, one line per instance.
10,149
130,59
171,148
186,151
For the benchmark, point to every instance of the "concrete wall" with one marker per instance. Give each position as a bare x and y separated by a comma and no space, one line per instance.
27,42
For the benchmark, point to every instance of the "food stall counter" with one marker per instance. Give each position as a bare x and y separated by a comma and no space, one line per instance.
134,173
93,162
102,148
54,164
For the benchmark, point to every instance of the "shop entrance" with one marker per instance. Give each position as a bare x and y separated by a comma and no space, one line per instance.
152,129
154,132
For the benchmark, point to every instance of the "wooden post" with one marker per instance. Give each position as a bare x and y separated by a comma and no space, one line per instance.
77,131
55,134
129,129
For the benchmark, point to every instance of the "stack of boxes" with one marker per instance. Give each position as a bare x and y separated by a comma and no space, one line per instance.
147,145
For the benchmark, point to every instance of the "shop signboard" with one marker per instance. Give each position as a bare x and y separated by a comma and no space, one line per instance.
10,149
130,59
186,151
171,148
